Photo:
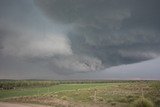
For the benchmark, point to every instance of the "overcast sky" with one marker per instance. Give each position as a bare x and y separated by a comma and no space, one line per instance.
79,39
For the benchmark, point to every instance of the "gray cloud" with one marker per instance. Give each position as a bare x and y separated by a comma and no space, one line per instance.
29,45
70,36
76,63
41,42
115,32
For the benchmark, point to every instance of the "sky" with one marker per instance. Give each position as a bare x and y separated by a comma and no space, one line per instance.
79,39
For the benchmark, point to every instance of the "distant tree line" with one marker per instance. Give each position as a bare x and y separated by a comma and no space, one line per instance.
100,81
12,84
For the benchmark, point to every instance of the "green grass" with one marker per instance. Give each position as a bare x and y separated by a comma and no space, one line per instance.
42,90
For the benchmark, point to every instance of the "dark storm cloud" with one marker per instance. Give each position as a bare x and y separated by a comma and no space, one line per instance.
74,36
115,32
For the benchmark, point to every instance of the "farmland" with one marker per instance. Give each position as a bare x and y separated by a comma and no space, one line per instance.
80,93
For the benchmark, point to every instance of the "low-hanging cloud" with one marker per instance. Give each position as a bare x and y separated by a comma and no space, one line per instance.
70,36
76,63
29,46
115,32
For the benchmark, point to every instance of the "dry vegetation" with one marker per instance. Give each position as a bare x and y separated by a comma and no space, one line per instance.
120,94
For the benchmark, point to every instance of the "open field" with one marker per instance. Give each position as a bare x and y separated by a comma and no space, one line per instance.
85,94
5,104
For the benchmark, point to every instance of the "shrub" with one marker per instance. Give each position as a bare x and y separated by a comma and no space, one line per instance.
142,102
113,103
64,97
122,99
130,98
100,99
109,101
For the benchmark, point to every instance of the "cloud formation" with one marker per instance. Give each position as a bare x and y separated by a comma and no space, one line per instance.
115,32
76,63
31,46
72,36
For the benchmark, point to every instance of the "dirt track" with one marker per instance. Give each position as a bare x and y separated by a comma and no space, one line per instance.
3,104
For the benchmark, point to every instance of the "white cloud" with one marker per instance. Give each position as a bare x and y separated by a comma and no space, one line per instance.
29,45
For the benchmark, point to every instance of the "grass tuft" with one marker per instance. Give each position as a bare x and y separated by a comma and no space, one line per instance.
142,102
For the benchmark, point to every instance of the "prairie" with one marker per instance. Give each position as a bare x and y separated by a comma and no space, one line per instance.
85,93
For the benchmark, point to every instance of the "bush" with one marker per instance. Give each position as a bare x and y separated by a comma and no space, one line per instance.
130,98
113,103
100,99
64,97
142,102
122,99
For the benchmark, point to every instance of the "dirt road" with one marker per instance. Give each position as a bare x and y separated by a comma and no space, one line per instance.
3,104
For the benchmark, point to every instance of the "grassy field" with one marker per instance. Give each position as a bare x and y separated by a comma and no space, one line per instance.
45,90
115,94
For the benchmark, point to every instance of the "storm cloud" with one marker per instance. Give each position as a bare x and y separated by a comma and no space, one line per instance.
77,36
115,32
